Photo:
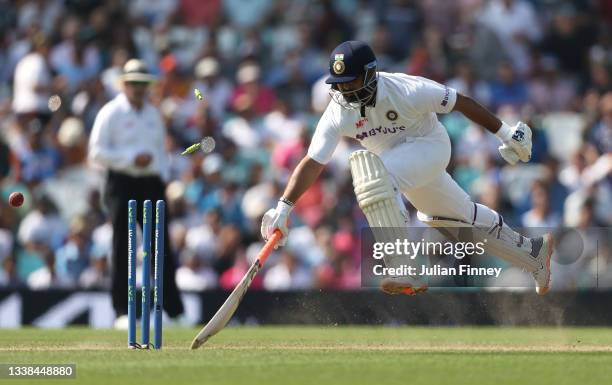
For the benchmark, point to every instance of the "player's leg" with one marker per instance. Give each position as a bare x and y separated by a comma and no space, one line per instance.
415,162
443,203
419,168
380,200
418,161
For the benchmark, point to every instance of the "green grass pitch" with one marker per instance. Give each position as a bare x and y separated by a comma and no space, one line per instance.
324,355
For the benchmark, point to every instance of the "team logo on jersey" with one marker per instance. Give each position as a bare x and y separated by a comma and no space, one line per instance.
392,115
379,130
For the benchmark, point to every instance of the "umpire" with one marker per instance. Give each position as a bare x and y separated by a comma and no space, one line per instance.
128,141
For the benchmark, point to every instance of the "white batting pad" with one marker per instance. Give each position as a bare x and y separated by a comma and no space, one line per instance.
379,200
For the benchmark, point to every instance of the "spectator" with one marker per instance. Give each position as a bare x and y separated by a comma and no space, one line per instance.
215,88
243,129
550,91
202,239
38,159
245,14
197,12
75,59
516,26
194,274
72,258
110,77
252,90
33,84
6,251
42,226
568,40
287,274
540,217
601,135
96,275
467,83
508,89
43,277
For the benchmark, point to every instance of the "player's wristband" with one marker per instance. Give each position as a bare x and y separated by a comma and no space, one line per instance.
287,201
505,132
284,206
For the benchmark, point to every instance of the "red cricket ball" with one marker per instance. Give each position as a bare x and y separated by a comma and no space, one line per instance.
16,199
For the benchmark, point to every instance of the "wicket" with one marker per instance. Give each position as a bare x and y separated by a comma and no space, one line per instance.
158,294
146,271
158,290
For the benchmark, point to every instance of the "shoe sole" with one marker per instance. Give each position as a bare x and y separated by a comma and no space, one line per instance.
550,243
393,289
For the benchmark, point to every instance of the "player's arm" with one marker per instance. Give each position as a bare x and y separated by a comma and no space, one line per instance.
304,175
477,113
516,140
322,146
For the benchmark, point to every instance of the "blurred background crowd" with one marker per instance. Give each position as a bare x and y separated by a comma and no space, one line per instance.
260,65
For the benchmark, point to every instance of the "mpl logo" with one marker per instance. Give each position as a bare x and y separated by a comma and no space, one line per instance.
361,122
518,135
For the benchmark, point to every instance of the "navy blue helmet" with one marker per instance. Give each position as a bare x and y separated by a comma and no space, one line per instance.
349,61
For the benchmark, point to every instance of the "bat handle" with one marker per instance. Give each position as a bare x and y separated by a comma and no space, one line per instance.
269,246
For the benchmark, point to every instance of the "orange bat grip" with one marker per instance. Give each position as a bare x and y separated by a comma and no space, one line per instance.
268,247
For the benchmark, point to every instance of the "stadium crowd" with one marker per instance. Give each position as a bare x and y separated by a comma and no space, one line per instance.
260,65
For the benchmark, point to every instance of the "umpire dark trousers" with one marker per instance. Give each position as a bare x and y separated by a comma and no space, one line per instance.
120,188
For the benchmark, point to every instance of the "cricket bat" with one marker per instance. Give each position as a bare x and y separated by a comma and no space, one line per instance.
225,312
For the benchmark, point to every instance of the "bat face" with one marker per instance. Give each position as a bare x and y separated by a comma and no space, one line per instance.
225,313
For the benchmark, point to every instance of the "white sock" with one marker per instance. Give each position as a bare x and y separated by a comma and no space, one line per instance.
489,219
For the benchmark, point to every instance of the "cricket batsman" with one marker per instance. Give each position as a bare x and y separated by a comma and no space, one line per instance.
407,150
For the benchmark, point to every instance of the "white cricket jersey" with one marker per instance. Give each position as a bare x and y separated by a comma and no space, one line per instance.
406,106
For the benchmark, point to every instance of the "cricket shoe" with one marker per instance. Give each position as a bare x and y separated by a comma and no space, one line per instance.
542,275
402,285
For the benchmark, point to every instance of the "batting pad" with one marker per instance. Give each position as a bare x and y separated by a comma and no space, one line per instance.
379,200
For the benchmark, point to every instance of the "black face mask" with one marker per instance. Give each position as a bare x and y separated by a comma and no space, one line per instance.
360,97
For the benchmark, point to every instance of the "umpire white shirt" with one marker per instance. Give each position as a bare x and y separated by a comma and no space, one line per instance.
121,132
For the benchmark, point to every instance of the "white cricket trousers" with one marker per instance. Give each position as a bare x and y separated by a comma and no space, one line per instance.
418,167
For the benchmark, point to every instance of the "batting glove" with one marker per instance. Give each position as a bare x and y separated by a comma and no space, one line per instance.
276,219
516,142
